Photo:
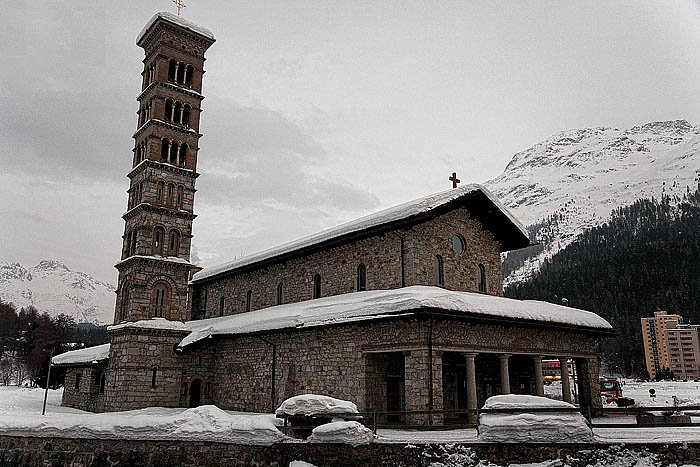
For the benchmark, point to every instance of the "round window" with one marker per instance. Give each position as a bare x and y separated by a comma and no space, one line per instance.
458,244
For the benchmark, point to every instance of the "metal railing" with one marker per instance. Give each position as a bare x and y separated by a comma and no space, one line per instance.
459,418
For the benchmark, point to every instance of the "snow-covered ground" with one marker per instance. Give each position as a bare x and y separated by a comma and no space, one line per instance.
20,414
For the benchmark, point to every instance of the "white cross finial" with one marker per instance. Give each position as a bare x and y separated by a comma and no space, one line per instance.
180,5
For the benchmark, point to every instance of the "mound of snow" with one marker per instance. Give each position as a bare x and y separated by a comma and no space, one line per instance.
352,433
300,464
315,405
522,423
205,423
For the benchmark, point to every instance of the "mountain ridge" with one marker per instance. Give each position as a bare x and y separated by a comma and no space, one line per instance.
573,180
52,287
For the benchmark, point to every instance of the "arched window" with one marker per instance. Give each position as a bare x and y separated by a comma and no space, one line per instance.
171,193
127,245
361,277
280,294
160,300
249,301
186,115
222,305
132,247
173,243
481,278
173,153
168,110
158,235
188,77
183,154
177,113
180,195
172,65
180,73
164,148
159,192
154,374
124,305
438,271
317,286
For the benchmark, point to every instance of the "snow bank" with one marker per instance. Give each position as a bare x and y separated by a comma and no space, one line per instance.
363,306
205,423
153,323
315,405
520,426
89,355
352,433
392,214
180,21
300,464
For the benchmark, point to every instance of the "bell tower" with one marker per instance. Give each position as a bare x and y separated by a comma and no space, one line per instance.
155,263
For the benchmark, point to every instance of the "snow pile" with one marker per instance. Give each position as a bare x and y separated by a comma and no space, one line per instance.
518,425
153,323
363,306
89,355
300,464
177,19
345,432
396,213
205,423
315,405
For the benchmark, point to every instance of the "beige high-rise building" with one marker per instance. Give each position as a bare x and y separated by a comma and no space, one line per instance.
683,344
655,345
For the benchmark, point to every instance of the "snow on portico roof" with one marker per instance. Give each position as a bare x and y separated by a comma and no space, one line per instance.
83,356
387,216
178,20
376,304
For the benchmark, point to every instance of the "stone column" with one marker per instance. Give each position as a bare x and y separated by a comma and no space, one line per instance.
565,384
505,376
539,382
471,387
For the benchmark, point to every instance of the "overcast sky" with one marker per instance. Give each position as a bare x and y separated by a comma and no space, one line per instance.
316,112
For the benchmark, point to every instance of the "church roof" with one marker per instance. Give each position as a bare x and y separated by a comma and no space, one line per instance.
481,203
379,304
177,20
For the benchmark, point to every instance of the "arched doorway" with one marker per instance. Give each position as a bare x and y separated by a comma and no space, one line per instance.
195,390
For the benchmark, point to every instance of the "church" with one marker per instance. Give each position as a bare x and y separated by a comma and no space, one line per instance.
401,311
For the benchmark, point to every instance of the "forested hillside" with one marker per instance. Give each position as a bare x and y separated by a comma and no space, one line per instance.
647,258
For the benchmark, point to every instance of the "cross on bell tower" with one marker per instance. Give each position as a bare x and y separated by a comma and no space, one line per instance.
454,179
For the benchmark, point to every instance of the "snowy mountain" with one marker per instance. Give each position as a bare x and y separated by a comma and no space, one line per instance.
53,288
574,179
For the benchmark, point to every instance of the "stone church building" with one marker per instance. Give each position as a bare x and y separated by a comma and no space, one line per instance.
398,311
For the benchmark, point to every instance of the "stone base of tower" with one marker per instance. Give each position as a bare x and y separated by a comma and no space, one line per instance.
143,370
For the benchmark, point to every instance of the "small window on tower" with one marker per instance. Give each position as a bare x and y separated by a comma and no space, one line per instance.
180,73
154,375
188,77
159,193
158,241
168,110
172,65
183,154
180,195
222,305
174,241
177,112
164,149
173,153
186,115
160,300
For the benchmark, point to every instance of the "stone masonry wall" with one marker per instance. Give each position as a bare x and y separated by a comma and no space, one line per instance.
381,255
333,361
39,452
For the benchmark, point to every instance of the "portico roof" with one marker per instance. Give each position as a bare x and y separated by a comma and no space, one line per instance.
383,304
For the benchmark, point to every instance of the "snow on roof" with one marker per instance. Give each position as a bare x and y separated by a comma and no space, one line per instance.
392,214
363,306
153,323
88,355
178,20
170,259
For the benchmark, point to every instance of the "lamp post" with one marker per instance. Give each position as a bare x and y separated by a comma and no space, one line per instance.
52,348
